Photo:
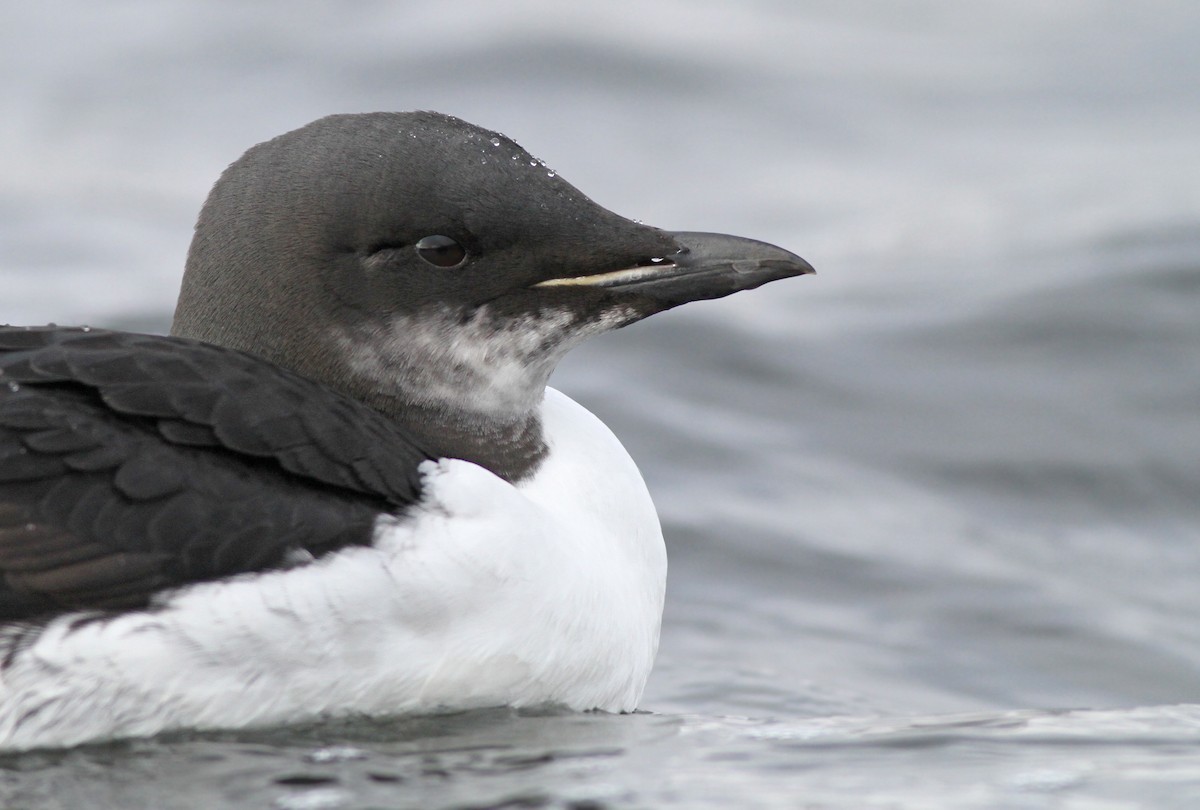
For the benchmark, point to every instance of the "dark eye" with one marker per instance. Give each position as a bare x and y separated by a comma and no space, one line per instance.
441,251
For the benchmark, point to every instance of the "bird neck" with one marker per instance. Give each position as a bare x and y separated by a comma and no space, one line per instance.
511,447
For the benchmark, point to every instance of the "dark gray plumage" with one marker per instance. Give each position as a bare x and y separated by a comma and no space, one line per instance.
361,294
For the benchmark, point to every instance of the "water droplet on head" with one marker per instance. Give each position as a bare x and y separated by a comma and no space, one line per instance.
550,173
88,328
13,385
657,260
495,141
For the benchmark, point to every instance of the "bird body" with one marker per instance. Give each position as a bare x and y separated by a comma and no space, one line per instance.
342,485
485,593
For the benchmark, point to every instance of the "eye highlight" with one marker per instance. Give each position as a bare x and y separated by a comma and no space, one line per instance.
441,251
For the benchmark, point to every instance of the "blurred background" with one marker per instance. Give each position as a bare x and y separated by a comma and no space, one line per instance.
957,470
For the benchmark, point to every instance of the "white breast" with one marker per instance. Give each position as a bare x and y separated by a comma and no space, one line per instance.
485,594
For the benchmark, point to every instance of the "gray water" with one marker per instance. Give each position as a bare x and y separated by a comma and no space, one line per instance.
933,514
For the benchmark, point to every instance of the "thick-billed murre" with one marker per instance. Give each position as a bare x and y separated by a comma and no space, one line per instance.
342,484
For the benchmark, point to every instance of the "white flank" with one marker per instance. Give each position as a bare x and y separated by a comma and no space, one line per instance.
486,594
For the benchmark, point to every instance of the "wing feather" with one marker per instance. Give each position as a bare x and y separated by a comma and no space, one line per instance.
134,463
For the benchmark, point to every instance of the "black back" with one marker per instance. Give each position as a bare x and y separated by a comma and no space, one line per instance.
132,463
